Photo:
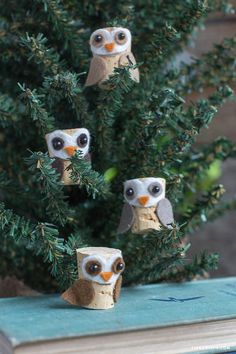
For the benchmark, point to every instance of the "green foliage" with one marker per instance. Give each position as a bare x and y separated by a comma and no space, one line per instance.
44,122
8,111
46,58
137,130
91,180
201,210
46,181
64,28
41,238
197,268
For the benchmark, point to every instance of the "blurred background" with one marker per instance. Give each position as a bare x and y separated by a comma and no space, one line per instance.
218,236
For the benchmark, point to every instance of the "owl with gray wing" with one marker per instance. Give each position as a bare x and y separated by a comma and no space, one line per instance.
146,208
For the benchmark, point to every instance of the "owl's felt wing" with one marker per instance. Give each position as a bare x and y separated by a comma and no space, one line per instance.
81,293
164,212
129,59
58,165
116,292
126,219
87,157
97,71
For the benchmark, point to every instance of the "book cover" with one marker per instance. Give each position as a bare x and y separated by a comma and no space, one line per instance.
40,318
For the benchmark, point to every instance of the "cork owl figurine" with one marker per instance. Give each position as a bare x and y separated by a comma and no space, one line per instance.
146,207
99,283
111,48
62,144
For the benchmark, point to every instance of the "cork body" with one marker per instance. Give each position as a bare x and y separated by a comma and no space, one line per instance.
116,61
103,293
66,178
103,298
145,219
111,63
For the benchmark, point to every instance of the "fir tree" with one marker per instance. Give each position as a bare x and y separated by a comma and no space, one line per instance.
137,130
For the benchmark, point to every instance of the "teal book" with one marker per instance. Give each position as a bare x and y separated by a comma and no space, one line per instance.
192,317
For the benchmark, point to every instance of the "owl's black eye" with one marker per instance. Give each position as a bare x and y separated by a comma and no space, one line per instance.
155,189
118,266
98,38
129,192
57,143
82,140
121,36
93,268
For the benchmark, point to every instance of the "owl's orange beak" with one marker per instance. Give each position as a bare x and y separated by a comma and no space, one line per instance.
143,200
109,46
106,275
70,150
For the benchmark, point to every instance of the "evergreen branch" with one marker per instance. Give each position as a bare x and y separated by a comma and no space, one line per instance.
193,13
172,34
140,135
213,69
4,180
9,41
47,58
8,111
125,15
81,171
108,106
47,181
9,47
18,194
220,149
200,211
66,85
201,114
9,186
65,28
157,47
148,131
222,208
67,271
192,121
44,121
222,6
164,135
199,267
41,238
155,254
161,268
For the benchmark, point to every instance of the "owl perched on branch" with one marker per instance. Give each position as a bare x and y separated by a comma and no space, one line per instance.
63,144
111,48
146,207
99,283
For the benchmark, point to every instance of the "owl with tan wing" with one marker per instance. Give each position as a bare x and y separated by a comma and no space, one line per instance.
111,48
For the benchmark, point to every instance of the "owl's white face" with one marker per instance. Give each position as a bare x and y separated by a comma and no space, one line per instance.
110,41
64,143
102,270
144,192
